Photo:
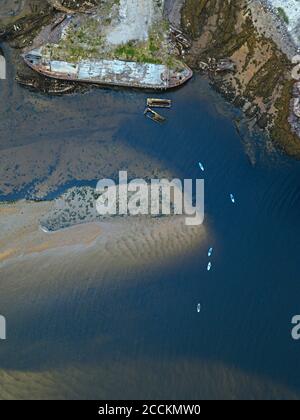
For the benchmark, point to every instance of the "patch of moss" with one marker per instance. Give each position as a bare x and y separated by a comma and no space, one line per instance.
139,52
265,80
282,14
155,50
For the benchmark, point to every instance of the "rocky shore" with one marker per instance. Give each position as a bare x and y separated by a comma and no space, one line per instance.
245,49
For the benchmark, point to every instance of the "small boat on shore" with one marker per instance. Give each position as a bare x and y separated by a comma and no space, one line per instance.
44,229
159,103
154,116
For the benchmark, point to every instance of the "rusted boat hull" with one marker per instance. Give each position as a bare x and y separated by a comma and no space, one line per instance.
81,73
154,116
159,103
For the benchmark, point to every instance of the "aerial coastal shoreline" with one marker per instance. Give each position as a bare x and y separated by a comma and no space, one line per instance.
232,43
135,307
258,48
245,48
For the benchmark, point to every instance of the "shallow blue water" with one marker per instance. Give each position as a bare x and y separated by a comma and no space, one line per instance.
253,289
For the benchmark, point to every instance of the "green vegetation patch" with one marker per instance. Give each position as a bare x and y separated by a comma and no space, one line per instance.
84,40
267,78
282,14
155,50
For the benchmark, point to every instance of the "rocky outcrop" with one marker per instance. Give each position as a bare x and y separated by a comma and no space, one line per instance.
256,73
294,118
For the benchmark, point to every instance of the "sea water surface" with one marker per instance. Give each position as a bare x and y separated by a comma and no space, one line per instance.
144,338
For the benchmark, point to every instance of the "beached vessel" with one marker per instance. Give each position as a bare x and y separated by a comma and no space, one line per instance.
159,103
110,72
154,116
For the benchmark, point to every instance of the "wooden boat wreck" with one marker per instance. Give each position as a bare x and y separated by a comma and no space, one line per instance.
110,72
159,103
154,116
50,86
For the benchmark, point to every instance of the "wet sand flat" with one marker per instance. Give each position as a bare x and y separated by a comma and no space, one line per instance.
21,234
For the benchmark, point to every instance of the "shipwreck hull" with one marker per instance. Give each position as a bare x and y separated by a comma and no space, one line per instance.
112,73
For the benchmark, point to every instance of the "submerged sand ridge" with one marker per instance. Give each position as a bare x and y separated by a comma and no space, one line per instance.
126,380
21,236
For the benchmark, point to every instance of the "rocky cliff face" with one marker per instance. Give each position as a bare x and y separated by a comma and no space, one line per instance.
257,76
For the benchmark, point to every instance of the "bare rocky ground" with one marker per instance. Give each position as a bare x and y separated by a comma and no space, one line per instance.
172,11
270,25
136,18
244,32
